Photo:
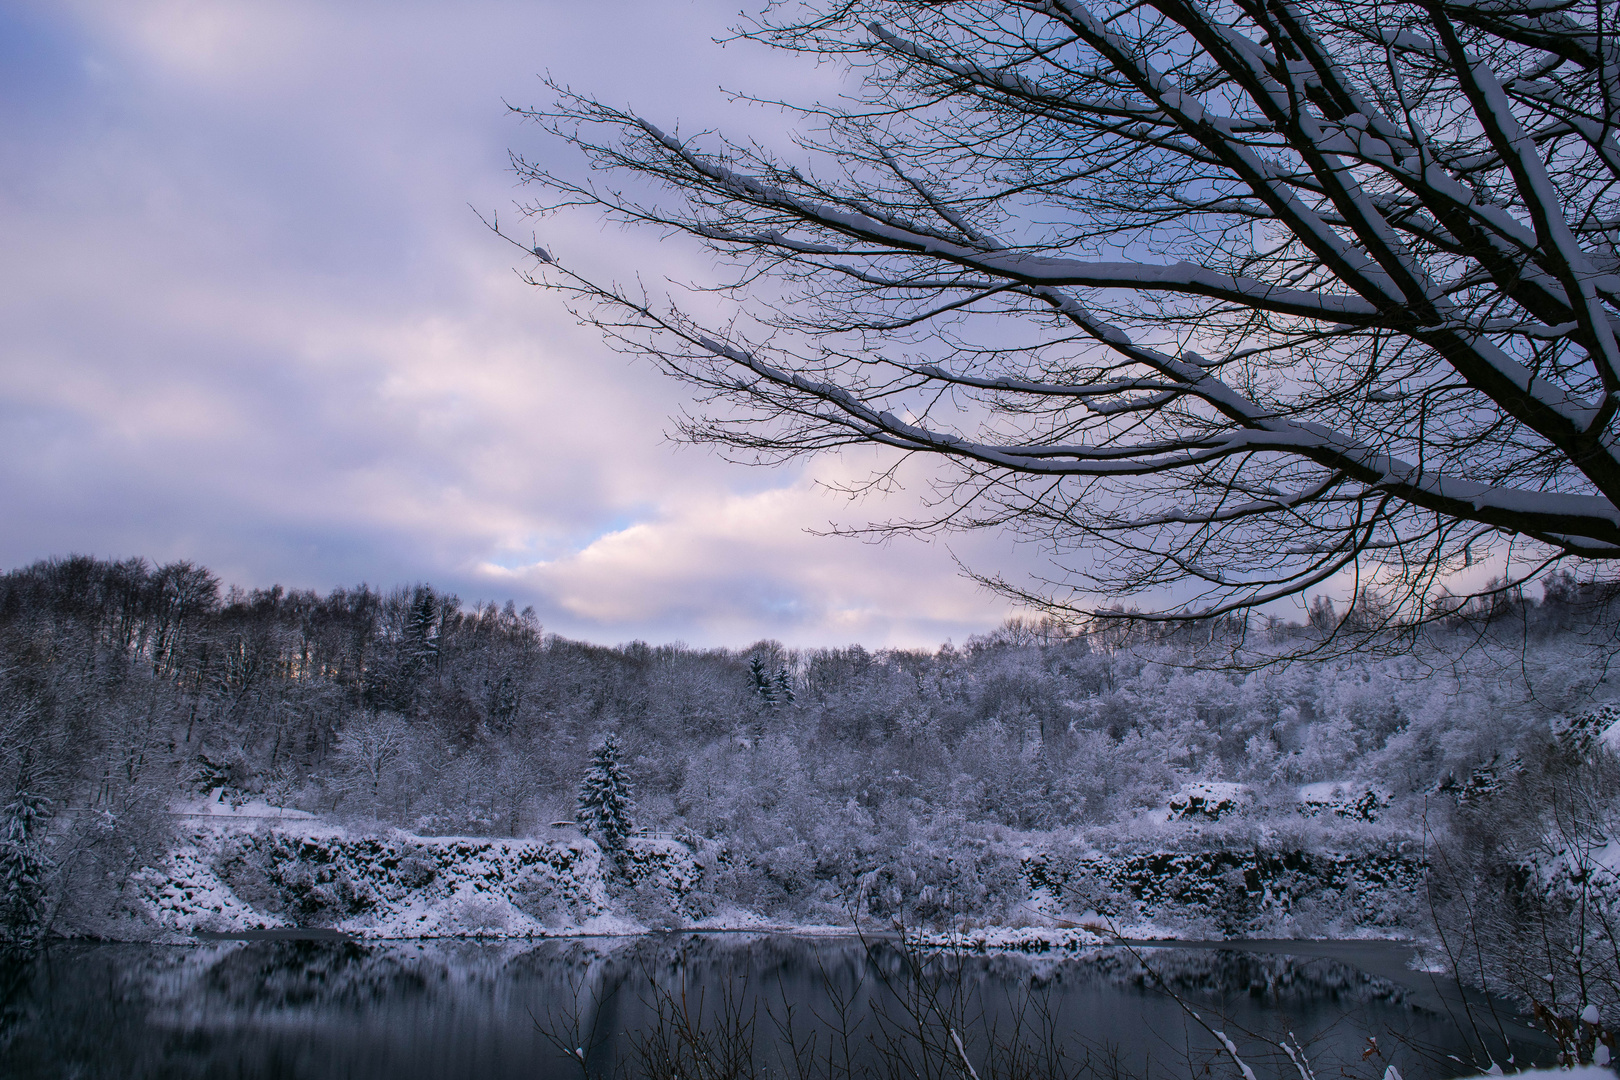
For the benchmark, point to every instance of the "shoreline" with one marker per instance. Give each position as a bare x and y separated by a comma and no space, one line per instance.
1281,946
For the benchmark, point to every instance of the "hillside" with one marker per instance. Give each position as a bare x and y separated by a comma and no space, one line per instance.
920,785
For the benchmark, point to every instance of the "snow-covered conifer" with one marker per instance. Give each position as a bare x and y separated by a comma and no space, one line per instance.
422,629
24,865
763,682
604,797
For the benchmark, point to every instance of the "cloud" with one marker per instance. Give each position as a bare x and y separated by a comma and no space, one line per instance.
251,321
734,567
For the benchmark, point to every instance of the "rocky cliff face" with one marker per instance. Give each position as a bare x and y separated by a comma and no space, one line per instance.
402,886
231,872
1258,893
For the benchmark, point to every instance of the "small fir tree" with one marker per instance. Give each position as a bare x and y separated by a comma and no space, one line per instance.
422,629
782,686
604,797
24,865
763,682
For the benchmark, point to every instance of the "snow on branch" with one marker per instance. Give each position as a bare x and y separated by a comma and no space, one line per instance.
1394,229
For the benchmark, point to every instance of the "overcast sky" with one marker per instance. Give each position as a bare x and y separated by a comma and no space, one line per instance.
250,320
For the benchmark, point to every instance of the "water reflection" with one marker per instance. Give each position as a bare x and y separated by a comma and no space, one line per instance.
329,1009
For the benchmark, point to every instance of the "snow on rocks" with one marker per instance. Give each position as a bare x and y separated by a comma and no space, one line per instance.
248,867
185,895
1237,893
1010,939
1342,799
475,887
1208,800
1584,731
230,872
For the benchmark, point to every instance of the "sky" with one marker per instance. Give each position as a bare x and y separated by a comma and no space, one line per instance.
250,318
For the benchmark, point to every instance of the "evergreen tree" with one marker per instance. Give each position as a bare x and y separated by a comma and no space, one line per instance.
782,687
24,864
760,678
421,646
604,797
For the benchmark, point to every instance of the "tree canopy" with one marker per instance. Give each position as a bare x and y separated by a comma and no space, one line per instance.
1218,302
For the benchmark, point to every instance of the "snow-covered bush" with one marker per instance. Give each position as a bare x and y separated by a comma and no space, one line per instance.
369,760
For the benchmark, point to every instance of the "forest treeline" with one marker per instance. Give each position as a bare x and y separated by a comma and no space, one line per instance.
125,686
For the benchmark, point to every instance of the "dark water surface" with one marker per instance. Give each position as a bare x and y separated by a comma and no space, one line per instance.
325,1009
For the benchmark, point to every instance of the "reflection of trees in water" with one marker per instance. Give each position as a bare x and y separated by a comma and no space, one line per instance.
142,1011
16,1007
276,976
1273,978
84,1011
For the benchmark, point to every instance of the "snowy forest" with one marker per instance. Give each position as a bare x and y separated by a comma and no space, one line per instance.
1283,341
125,687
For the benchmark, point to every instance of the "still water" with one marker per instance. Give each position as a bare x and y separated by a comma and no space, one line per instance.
784,1005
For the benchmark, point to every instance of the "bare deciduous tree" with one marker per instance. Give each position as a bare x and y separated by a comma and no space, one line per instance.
1233,294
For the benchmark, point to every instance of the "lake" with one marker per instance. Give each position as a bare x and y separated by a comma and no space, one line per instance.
786,1005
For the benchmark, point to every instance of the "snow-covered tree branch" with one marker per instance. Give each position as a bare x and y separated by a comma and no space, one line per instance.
1231,293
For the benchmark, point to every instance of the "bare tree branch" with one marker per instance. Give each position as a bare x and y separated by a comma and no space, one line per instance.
1230,297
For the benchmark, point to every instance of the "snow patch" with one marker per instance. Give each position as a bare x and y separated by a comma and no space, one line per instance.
217,805
185,895
1343,799
1208,800
1011,939
1585,731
